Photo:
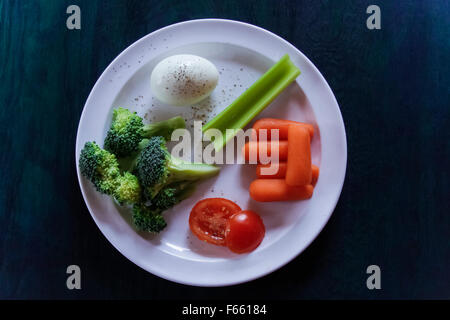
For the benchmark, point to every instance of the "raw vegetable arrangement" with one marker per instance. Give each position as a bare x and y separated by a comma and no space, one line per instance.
136,169
295,176
249,104
222,222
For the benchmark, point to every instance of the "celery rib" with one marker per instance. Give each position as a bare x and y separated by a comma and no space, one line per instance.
250,103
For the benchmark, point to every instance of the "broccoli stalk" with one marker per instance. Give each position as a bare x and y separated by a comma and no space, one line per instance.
127,130
156,168
102,169
163,128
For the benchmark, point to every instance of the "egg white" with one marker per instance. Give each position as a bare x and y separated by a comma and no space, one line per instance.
183,80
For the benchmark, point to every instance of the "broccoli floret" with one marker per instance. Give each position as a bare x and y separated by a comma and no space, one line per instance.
128,189
156,168
127,130
129,163
173,194
148,219
102,169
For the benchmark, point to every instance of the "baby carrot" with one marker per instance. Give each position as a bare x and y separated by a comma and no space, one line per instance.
281,125
253,147
298,171
314,174
280,171
268,190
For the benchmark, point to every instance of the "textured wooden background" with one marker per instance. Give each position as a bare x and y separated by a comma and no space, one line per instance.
393,89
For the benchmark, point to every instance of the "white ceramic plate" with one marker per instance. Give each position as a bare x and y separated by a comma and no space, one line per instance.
242,53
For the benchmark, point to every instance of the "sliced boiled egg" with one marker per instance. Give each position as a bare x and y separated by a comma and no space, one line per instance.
183,79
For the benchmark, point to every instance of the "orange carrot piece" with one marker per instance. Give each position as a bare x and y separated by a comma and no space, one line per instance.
280,124
268,190
298,171
252,148
281,172
315,174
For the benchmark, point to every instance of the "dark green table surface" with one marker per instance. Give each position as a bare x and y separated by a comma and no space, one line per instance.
392,86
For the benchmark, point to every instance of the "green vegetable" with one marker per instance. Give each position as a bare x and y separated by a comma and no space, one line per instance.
102,169
249,104
148,219
173,194
136,166
156,168
128,189
127,130
129,163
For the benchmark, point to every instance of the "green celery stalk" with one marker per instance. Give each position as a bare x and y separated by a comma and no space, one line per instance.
250,103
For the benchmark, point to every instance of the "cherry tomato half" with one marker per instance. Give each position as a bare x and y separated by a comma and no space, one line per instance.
209,217
244,231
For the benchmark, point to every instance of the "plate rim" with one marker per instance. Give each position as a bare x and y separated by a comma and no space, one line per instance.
259,274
